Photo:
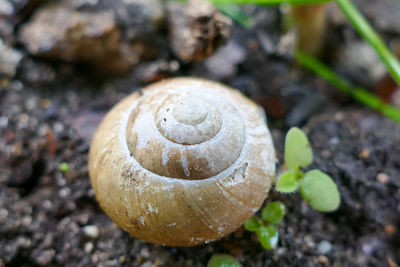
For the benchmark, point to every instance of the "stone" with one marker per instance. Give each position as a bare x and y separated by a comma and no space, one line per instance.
6,8
60,32
107,36
324,247
9,60
91,231
197,29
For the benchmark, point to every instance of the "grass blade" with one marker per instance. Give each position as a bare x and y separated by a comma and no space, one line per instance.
368,33
358,93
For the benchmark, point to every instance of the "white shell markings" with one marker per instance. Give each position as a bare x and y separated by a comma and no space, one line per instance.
171,224
185,165
165,157
150,208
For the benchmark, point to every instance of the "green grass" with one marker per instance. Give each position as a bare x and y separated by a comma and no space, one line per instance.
269,2
358,93
366,31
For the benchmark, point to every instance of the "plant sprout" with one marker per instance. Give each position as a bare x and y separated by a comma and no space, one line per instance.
64,167
317,188
266,231
223,260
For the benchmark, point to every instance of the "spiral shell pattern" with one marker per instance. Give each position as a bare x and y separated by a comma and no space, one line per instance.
182,162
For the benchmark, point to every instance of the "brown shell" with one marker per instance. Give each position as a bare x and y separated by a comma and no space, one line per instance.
182,162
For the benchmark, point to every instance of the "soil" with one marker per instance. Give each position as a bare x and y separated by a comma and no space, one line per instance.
50,109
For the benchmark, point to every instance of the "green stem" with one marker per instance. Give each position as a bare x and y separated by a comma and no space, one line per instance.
237,14
269,2
368,33
358,93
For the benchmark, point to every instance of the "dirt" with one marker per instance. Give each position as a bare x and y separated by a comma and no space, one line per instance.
49,110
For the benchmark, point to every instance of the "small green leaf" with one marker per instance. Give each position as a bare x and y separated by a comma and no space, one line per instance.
319,191
298,152
252,224
274,212
287,183
268,236
64,167
223,260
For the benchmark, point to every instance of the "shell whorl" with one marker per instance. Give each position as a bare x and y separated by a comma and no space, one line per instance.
182,162
182,132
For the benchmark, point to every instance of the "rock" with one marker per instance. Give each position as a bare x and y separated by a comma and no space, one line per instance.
196,29
9,60
6,8
324,247
6,32
106,36
88,247
91,231
59,32
44,257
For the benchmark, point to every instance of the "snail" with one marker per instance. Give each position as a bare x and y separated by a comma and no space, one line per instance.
182,162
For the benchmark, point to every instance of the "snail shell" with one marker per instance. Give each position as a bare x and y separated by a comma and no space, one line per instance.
182,162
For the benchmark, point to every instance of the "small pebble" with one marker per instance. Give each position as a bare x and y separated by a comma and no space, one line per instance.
147,264
3,122
144,252
45,257
64,192
365,153
6,8
91,231
3,214
334,141
323,259
309,242
45,103
383,178
281,251
27,220
390,229
324,247
58,127
88,247
122,259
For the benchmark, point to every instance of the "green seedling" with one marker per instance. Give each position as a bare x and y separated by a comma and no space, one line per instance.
64,167
266,231
223,260
317,188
